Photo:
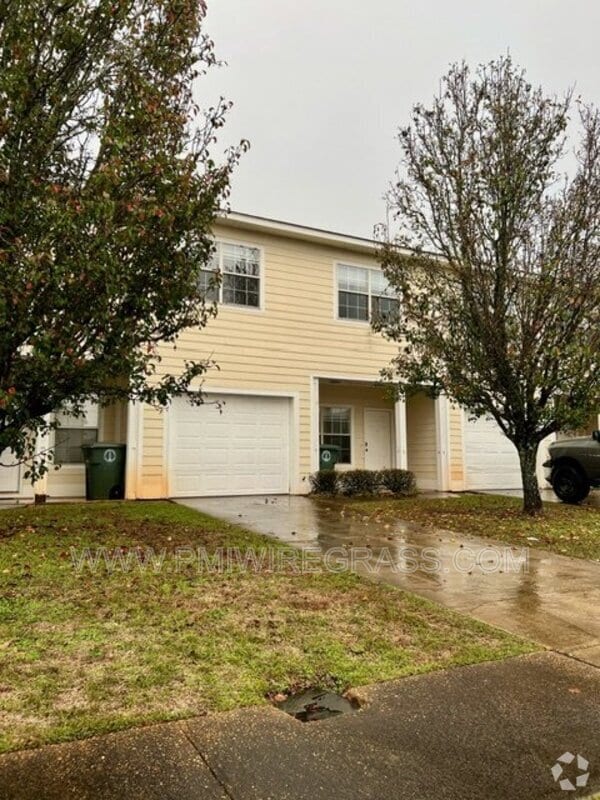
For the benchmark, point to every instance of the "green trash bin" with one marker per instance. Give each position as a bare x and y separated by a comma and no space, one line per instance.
329,455
104,471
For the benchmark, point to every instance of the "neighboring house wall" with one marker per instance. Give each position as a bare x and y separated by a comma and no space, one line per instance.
108,424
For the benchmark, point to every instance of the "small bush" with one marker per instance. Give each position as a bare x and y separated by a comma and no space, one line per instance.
398,481
363,482
358,482
325,481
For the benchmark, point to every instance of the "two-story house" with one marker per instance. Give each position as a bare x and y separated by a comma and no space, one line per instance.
299,365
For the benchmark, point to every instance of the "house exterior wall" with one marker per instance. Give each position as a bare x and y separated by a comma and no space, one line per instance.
422,440
113,423
278,348
294,338
281,348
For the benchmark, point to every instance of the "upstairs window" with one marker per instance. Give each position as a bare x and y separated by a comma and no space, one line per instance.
364,294
384,303
233,276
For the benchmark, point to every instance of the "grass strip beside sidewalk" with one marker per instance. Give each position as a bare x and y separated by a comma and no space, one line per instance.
154,633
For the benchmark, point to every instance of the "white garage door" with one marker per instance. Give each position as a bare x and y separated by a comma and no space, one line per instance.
243,447
491,459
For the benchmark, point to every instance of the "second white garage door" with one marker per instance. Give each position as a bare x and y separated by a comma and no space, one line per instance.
491,459
243,447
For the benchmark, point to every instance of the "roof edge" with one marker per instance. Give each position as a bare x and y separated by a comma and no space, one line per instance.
296,231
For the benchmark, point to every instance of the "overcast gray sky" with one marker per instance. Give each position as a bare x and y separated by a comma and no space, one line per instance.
321,86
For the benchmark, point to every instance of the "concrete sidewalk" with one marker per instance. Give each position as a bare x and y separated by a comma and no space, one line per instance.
551,599
486,732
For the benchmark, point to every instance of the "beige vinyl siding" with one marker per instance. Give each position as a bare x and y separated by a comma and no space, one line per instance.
358,398
278,348
68,481
294,337
153,478
113,426
421,440
455,435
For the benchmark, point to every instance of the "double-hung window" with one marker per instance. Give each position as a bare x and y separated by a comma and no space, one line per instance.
233,276
336,429
73,433
364,294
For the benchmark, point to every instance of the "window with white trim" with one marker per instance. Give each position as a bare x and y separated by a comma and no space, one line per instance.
364,294
73,434
233,276
336,429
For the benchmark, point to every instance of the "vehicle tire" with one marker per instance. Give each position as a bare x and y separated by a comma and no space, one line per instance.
570,484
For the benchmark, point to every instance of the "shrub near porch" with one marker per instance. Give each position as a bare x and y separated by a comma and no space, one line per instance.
82,652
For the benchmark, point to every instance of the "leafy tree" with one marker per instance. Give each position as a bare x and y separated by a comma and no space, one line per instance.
500,289
107,196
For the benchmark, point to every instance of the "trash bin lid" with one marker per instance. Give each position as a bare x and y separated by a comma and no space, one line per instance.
102,445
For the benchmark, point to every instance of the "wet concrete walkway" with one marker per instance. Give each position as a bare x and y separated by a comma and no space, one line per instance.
484,732
551,599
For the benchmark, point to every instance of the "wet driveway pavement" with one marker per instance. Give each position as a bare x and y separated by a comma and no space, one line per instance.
549,598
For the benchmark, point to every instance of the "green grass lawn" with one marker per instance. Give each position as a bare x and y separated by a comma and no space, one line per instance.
569,530
85,651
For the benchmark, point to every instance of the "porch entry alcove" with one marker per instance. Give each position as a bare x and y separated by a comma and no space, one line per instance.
374,431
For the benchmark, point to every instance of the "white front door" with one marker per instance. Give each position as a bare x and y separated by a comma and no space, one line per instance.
378,438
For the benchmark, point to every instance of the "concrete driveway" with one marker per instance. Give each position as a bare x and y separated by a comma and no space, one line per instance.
551,599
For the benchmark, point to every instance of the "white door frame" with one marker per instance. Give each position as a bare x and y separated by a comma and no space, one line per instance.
401,452
442,442
134,451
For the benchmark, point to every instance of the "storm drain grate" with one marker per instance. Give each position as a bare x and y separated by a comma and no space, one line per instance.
312,705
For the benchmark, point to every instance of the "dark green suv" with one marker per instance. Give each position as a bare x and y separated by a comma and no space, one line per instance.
574,467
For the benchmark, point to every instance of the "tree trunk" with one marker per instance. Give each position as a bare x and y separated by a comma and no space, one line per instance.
532,500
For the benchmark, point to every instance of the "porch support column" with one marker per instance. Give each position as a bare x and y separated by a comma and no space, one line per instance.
442,427
314,424
42,445
401,452
133,453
